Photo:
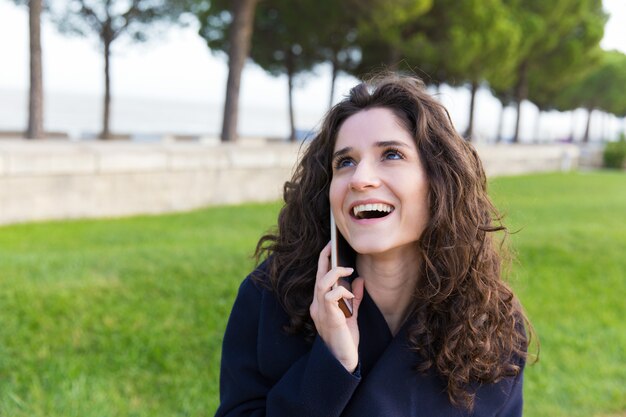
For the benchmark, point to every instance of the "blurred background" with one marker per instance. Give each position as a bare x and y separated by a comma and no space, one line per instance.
169,65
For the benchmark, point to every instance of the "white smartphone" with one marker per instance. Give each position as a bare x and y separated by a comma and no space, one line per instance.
344,305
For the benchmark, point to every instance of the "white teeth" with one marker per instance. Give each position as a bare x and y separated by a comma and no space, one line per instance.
386,208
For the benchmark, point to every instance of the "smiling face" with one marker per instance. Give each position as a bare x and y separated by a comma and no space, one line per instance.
379,190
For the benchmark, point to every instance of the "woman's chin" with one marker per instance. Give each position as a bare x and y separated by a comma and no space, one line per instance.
371,249
381,248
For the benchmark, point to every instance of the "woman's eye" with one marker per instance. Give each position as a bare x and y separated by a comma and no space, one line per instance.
343,162
392,154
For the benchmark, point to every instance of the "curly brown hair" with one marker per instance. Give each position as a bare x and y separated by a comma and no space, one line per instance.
466,324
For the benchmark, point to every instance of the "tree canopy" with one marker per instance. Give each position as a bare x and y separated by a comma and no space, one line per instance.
597,89
471,42
109,20
522,49
560,38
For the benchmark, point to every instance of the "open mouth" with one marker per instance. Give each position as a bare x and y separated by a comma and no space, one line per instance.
371,211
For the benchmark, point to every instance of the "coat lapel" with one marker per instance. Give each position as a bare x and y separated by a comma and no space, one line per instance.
390,384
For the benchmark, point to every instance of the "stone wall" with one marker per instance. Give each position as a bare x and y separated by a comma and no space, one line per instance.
61,179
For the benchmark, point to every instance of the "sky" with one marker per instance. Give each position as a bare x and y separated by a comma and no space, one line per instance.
177,65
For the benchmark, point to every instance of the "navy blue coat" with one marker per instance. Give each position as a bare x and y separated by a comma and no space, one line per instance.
265,372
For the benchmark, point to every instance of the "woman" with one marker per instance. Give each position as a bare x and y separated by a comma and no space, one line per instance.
434,330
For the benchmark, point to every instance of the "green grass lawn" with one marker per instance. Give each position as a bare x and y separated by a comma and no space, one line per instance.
125,317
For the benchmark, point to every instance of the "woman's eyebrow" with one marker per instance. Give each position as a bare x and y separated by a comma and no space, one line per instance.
392,143
379,144
342,152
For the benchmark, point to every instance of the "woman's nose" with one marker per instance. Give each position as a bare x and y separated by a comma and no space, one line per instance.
364,176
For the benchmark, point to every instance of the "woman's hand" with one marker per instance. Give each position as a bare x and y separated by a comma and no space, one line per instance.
340,334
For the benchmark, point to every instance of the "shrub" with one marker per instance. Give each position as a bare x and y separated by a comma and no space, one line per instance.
615,154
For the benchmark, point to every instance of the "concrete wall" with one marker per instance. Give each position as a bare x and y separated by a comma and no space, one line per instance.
60,179
522,159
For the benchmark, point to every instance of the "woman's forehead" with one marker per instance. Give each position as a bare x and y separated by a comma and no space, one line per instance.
371,126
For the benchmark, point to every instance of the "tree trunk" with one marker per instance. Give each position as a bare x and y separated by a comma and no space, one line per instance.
518,110
586,135
240,38
292,123
521,92
106,132
469,133
333,78
35,97
500,124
